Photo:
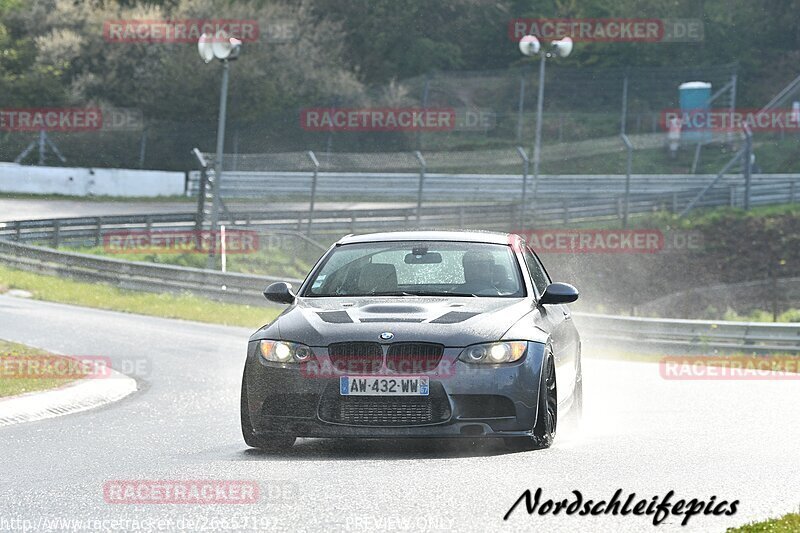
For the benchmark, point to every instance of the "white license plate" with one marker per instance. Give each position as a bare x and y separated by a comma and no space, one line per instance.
383,386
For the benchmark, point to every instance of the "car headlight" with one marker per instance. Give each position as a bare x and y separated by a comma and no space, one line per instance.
494,352
285,352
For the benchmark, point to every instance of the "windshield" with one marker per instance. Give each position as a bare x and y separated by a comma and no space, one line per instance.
430,268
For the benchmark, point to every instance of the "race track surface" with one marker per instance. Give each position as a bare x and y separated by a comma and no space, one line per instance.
641,433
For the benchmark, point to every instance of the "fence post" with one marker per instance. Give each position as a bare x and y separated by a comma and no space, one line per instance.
17,230
56,232
523,200
565,204
624,118
732,194
98,232
627,205
792,188
520,105
748,168
202,185
143,148
314,161
422,166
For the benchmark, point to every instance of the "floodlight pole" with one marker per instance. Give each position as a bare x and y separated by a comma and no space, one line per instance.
529,45
223,104
537,143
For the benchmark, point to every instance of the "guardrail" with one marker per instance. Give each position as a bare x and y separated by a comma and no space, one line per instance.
231,287
558,199
631,333
505,217
403,186
688,336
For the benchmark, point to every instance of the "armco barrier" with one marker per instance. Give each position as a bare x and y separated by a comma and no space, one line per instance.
630,333
687,335
232,287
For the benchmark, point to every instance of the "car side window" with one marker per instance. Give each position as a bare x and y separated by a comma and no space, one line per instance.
538,275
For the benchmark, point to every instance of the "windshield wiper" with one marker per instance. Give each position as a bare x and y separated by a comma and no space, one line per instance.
428,293
403,293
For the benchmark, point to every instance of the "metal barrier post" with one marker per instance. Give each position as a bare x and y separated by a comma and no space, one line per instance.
748,167
422,166
627,204
56,231
523,202
314,161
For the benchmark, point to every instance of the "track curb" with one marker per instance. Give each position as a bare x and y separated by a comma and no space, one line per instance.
81,395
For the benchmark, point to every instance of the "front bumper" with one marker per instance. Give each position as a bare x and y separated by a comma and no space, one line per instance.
465,400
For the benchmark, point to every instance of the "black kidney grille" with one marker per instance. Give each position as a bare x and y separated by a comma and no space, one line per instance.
385,411
356,357
414,357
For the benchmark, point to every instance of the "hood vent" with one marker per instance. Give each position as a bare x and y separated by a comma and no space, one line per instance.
389,319
335,317
454,317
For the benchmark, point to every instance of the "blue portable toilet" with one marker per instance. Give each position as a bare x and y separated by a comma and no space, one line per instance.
694,96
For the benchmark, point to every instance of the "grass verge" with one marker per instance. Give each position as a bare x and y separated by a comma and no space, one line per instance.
787,524
105,296
271,260
13,356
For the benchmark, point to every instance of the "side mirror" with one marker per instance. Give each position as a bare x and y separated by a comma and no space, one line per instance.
280,292
559,293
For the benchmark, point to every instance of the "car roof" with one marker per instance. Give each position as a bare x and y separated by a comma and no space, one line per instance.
488,237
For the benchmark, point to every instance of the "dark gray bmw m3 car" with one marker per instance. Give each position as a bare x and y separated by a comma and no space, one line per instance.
416,334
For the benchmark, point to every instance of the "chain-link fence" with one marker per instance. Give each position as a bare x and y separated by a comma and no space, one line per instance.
585,110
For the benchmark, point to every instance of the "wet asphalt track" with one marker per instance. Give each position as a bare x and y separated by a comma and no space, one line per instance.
733,439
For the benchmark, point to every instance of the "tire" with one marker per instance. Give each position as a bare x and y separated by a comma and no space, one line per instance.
272,444
544,429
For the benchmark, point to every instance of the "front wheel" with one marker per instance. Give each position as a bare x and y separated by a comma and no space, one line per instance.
272,444
544,430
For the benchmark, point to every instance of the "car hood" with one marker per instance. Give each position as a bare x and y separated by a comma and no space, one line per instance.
453,322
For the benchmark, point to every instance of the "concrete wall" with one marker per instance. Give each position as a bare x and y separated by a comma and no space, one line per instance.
89,181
